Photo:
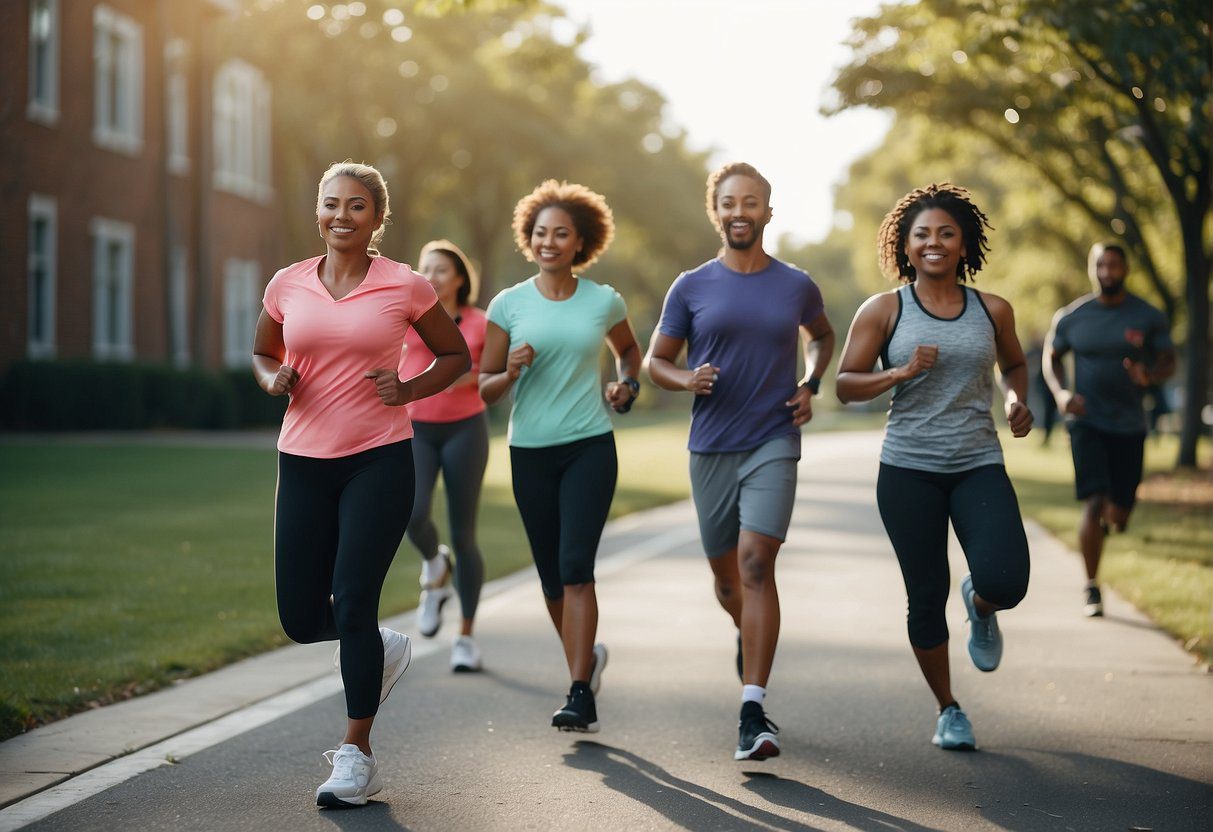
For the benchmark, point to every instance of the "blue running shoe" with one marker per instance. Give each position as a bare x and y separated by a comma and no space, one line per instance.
985,641
953,732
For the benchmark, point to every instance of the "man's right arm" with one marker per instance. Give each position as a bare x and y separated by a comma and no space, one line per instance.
1054,370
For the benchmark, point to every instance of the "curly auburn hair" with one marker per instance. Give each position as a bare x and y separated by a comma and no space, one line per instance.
958,203
589,211
718,176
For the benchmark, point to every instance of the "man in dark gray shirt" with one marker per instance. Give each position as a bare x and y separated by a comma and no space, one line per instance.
1122,346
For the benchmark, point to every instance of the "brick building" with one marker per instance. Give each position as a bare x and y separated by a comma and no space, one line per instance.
138,180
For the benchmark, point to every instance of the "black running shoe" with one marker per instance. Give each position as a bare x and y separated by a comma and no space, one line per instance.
578,713
1093,608
756,740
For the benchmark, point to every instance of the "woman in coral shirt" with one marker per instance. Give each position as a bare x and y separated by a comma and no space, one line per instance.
330,337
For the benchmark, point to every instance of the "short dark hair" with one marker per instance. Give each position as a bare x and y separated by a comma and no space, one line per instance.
958,203
589,211
1098,249
718,176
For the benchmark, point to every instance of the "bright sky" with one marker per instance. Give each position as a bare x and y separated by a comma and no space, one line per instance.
746,77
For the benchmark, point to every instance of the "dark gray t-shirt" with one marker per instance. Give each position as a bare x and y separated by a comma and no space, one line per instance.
1101,338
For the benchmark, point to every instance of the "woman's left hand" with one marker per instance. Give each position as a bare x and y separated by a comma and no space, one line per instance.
390,389
1019,418
618,394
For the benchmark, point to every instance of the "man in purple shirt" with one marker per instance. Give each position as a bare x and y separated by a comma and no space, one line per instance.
740,317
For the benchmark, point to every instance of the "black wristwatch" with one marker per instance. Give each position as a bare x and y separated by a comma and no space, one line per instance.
634,386
814,384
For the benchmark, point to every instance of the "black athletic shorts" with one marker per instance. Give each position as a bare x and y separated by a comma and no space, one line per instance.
1106,463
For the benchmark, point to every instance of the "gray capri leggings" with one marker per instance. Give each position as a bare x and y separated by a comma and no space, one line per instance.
460,450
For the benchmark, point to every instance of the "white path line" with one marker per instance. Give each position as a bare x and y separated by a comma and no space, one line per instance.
96,780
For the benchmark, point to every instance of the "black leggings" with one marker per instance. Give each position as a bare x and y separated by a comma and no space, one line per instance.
460,450
916,506
564,494
337,525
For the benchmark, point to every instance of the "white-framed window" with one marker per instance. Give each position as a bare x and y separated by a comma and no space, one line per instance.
43,61
117,81
179,306
41,276
242,131
241,306
113,287
176,105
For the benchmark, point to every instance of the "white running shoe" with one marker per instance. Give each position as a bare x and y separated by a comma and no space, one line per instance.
434,596
465,655
397,653
355,777
600,662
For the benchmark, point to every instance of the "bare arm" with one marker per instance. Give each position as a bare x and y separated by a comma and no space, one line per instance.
1012,366
1054,372
269,351
622,341
451,359
661,363
818,340
857,381
499,370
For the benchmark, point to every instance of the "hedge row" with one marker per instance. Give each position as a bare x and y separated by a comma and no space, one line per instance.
83,395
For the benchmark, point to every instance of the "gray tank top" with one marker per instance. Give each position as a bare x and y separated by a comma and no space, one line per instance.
940,420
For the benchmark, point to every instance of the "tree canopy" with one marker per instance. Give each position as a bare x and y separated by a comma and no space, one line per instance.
1109,104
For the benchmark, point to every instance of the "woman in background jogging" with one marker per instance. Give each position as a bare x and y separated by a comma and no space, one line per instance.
451,435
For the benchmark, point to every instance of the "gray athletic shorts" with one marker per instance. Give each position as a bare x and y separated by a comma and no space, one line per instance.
752,490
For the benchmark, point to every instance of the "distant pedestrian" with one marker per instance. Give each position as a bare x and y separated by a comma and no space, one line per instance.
741,317
1122,350
330,337
451,436
544,342
937,341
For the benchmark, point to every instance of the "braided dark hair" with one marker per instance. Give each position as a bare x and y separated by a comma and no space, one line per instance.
958,203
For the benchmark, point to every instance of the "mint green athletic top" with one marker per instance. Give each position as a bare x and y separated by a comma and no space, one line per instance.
558,399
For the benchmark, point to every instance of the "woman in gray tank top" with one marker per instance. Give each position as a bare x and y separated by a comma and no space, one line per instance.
937,340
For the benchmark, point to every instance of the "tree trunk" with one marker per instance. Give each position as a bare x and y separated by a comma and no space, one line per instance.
1196,369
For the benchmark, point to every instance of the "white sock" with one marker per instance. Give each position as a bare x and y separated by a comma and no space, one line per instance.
753,693
433,570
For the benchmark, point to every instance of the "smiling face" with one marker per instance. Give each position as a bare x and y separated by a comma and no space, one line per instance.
440,270
743,212
346,216
935,245
554,239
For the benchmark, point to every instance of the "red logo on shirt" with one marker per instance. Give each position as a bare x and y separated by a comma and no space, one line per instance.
1135,337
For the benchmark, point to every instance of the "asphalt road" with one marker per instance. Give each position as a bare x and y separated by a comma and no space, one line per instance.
1088,724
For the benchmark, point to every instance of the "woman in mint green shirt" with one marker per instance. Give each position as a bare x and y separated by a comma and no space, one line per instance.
544,340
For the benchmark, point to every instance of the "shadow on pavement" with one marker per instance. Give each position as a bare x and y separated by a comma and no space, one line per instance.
375,815
1019,788
692,806
804,798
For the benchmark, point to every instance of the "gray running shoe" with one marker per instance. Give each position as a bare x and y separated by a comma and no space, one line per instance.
953,732
985,640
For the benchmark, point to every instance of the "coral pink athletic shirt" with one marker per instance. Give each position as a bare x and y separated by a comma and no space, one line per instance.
457,401
334,411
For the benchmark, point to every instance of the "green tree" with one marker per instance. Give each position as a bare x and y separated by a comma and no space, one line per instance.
466,107
1109,103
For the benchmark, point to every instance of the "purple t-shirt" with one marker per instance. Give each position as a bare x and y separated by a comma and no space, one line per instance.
748,325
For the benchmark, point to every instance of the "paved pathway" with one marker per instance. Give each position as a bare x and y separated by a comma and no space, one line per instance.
1088,725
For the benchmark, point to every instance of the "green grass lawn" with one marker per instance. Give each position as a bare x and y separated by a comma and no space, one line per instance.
127,566
1163,563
